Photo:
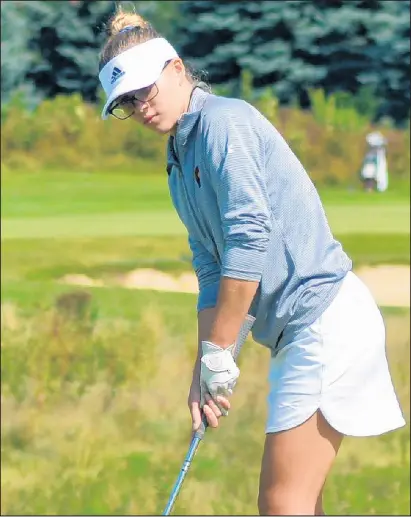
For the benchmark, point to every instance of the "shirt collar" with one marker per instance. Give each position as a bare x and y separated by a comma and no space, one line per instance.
188,120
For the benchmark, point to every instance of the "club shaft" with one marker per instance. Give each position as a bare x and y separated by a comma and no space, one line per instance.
199,434
184,469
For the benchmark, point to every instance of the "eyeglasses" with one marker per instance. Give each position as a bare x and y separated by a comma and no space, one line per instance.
126,107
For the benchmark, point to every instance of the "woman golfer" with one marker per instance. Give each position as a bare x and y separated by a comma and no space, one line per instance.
261,246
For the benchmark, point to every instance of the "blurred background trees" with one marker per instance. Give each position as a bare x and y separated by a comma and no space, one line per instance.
359,47
51,48
325,72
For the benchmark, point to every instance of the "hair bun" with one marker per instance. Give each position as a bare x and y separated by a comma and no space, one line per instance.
122,21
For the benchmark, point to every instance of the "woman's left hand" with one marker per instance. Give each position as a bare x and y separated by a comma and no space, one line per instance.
218,376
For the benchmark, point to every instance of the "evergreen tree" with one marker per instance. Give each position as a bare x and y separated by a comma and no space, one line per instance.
51,48
357,46
16,55
66,41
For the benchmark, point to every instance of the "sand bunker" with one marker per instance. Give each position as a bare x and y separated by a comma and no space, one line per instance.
390,285
81,280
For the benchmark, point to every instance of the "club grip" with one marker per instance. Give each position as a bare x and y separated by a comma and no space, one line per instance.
241,339
242,335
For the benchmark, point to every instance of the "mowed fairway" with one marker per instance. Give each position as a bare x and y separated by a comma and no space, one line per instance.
78,205
94,380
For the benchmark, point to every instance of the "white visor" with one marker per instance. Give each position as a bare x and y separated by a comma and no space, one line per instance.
135,68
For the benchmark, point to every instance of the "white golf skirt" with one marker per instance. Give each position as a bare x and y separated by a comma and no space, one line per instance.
337,365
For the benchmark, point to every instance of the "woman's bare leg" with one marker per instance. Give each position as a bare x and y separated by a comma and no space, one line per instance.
319,509
295,466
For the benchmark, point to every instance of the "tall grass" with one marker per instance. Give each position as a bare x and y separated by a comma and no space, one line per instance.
94,420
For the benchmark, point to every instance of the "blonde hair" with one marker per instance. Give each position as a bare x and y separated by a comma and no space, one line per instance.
138,31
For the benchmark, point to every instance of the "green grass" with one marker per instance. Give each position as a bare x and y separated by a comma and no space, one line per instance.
80,205
37,195
111,222
96,406
343,220
37,260
94,380
46,194
113,302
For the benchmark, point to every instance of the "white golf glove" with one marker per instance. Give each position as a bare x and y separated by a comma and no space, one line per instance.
219,373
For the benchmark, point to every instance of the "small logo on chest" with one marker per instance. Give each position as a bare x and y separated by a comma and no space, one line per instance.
197,176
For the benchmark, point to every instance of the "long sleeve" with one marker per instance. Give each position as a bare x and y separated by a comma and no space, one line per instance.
235,156
208,274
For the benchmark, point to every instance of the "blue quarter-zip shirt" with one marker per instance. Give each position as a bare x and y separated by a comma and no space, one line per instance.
252,213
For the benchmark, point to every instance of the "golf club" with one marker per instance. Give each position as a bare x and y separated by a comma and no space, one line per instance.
199,434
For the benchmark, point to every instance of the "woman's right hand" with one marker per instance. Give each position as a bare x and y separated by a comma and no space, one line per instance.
210,408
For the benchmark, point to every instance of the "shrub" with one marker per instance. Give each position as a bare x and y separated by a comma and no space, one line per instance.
67,133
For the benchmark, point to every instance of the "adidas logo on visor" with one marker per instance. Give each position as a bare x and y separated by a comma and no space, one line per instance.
117,73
